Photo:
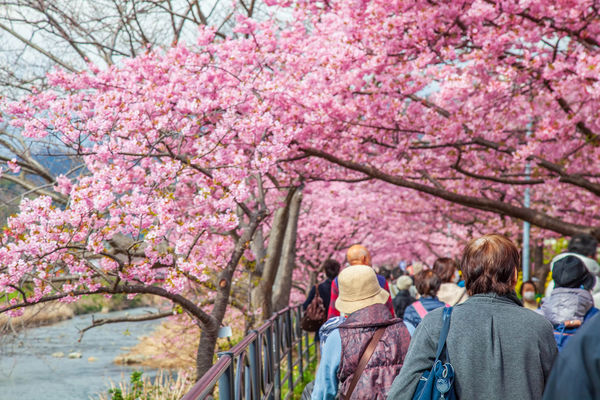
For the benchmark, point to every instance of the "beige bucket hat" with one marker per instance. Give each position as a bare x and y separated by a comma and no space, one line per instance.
404,282
359,288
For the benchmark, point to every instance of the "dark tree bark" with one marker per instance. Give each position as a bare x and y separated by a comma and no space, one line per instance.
541,270
283,281
262,294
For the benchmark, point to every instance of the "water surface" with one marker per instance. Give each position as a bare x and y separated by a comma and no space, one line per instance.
28,371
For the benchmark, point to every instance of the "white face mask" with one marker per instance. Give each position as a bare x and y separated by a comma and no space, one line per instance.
529,296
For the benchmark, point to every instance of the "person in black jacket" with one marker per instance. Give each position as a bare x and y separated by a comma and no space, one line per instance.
332,269
576,372
403,299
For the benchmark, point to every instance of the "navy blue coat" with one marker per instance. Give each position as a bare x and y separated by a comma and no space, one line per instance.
576,371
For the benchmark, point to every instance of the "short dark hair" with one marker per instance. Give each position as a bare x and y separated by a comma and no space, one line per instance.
427,283
397,273
332,268
583,244
529,282
488,265
386,273
444,267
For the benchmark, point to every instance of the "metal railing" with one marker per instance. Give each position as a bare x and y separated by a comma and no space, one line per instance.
262,365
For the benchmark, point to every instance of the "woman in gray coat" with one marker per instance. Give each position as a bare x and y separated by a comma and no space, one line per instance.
499,350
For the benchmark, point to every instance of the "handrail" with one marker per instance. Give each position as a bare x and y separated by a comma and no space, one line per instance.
261,364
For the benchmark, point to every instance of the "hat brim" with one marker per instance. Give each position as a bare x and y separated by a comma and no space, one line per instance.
348,307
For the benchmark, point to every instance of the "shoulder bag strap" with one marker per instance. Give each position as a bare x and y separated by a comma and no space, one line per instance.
420,309
364,359
444,332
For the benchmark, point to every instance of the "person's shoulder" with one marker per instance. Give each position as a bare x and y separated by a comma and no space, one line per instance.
326,283
333,322
532,319
590,314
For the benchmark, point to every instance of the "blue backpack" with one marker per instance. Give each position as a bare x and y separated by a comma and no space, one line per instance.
562,334
438,384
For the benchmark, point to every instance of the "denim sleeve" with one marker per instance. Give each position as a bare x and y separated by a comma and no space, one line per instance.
326,381
410,327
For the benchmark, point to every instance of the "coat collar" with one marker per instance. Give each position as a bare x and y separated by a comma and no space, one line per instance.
486,297
373,315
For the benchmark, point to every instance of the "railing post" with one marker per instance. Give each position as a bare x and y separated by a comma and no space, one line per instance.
226,380
298,334
307,344
268,361
290,359
277,358
255,371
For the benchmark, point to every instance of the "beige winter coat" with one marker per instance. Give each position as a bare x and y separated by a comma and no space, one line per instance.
451,293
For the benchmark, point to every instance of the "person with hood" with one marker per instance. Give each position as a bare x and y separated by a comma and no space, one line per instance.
498,349
362,301
403,297
586,246
428,284
571,304
449,293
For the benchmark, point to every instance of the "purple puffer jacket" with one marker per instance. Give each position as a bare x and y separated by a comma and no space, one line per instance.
386,361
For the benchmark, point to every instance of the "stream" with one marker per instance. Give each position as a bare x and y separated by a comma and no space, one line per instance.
28,371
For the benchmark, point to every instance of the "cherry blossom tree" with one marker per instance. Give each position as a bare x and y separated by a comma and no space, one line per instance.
458,100
39,36
165,198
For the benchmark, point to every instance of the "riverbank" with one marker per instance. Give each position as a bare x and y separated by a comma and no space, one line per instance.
174,343
171,345
53,312
36,315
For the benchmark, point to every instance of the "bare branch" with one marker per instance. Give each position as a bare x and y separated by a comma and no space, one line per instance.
133,318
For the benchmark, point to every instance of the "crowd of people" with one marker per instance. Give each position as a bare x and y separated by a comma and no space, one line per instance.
387,335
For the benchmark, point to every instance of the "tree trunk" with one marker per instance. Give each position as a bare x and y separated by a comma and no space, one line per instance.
283,280
208,337
261,295
538,257
541,269
205,351
258,249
